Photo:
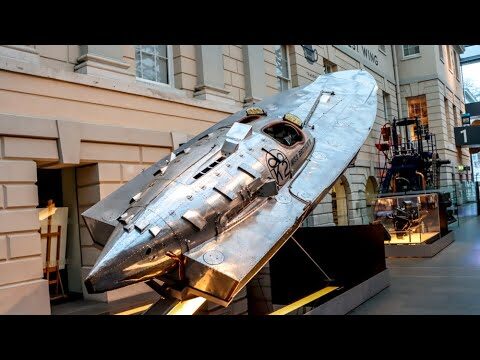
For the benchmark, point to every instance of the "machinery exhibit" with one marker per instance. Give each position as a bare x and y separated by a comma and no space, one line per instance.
204,220
411,160
407,216
410,202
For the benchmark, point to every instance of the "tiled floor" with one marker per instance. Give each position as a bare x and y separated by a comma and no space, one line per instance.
448,283
85,307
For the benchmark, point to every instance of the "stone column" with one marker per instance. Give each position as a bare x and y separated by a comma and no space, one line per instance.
210,76
89,192
95,182
104,61
255,80
22,287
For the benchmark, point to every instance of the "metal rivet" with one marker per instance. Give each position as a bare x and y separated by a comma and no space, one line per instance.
189,197
171,212
228,165
203,187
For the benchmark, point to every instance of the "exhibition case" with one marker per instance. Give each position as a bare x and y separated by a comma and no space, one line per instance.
409,219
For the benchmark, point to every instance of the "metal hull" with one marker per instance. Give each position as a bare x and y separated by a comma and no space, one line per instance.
231,199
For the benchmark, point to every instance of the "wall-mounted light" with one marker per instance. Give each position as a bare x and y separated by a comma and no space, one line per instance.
310,53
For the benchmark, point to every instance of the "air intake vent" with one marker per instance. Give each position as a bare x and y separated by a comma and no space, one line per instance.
209,167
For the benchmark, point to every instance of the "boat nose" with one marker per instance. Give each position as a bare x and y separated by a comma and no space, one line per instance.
131,257
102,278
89,285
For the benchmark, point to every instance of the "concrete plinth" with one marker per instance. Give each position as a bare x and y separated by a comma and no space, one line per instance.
419,250
350,299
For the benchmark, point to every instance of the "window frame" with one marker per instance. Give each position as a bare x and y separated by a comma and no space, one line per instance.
422,96
449,58
450,122
386,106
170,69
412,56
457,116
281,77
326,63
455,65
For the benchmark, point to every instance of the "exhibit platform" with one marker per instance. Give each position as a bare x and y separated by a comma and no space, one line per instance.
350,260
415,249
354,297
414,238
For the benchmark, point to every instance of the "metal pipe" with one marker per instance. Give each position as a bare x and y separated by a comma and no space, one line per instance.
424,184
397,80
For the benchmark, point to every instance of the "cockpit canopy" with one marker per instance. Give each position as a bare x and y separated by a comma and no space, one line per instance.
284,133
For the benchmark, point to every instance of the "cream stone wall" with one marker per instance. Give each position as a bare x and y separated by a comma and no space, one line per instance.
270,72
185,68
21,273
234,72
81,106
111,129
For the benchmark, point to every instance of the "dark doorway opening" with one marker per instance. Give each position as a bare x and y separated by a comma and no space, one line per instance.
55,209
49,184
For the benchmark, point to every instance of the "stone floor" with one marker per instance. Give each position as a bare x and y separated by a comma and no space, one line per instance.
85,307
448,283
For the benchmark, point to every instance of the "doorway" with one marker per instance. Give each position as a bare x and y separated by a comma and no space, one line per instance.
57,204
339,202
371,189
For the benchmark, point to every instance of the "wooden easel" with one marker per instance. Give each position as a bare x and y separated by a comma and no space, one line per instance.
48,269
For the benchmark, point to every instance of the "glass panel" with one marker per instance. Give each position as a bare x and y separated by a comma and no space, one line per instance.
162,70
152,62
284,68
409,219
148,66
149,48
138,62
161,50
281,61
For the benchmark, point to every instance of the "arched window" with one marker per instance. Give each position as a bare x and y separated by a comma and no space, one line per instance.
339,203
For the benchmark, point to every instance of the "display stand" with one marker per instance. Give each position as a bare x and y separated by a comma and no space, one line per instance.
320,270
49,268
353,257
416,223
